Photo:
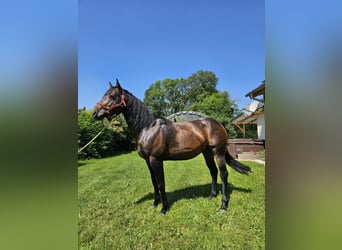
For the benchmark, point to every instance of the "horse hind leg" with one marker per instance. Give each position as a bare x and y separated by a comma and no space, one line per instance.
209,159
221,162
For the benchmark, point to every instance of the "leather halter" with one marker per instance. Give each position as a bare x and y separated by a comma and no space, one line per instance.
113,106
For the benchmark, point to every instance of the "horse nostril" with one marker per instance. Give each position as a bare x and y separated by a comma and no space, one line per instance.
94,114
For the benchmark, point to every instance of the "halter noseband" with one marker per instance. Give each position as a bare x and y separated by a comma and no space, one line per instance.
113,106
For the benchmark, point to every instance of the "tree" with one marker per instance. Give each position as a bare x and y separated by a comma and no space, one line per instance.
173,95
155,98
201,85
167,96
218,106
175,90
197,92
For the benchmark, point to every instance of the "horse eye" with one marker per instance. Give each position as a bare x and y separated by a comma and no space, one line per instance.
111,97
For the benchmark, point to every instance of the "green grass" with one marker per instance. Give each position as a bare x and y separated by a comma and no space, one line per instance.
115,197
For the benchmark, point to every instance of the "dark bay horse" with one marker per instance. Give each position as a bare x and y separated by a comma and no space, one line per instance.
160,139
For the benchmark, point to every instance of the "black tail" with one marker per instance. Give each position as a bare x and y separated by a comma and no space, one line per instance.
241,168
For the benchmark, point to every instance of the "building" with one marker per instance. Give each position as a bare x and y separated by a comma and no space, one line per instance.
254,112
251,114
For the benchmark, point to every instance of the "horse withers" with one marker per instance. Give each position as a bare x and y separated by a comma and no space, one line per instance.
159,139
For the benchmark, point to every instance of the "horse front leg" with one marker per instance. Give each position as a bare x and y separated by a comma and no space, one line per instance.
155,185
158,169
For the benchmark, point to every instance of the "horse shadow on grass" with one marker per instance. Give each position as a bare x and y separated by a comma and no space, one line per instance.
80,164
193,192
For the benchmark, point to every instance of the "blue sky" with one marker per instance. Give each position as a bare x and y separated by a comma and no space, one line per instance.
140,42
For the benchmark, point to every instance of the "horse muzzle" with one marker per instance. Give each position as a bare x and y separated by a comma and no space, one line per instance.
99,113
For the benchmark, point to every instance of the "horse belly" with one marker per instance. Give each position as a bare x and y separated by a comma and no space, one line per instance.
184,154
184,148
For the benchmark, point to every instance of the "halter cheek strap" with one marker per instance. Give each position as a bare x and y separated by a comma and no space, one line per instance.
113,106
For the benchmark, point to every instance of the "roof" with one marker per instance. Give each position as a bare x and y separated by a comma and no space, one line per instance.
249,113
257,91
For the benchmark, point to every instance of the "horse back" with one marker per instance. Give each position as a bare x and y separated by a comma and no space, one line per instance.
179,141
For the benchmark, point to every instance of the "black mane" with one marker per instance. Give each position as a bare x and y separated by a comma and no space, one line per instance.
137,114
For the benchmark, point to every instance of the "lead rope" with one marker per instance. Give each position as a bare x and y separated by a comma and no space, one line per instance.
106,124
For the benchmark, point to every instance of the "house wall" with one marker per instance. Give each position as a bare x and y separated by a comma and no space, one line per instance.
261,126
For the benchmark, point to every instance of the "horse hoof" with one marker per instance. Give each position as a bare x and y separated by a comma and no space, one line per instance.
163,211
223,210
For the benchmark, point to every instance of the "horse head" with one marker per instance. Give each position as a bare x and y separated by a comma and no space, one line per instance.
112,103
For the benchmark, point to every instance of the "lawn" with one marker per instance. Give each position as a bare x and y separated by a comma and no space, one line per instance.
115,197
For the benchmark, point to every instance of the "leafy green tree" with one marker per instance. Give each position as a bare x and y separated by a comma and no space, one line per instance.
173,95
197,92
218,106
155,98
174,91
167,96
201,85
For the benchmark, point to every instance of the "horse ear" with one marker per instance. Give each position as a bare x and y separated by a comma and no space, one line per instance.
118,84
110,85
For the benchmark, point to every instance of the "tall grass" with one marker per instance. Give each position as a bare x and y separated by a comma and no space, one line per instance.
115,197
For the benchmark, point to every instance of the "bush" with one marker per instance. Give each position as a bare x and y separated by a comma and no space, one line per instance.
114,139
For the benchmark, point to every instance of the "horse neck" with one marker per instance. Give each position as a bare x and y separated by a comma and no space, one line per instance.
137,115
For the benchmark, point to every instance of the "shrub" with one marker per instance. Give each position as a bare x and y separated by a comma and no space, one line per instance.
114,139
